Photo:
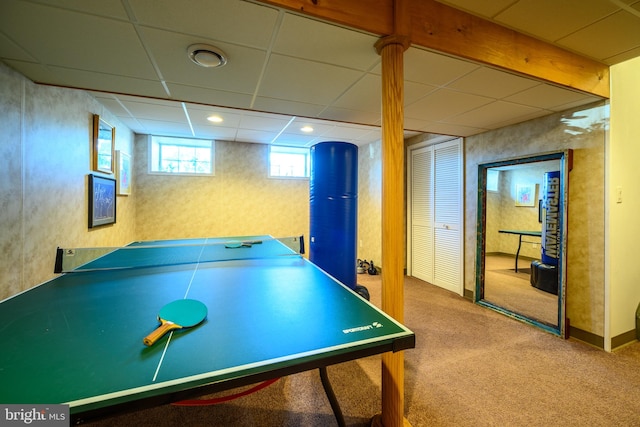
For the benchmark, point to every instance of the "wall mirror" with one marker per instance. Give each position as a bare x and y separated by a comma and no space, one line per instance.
104,142
522,236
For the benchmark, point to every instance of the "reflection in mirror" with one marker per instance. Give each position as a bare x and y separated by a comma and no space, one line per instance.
522,238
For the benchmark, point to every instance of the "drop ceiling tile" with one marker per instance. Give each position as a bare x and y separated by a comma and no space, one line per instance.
134,125
414,123
576,103
283,106
320,127
134,98
270,123
306,38
623,34
624,56
481,8
414,91
159,127
444,103
545,96
357,133
10,50
553,19
365,95
169,50
492,83
305,81
112,104
287,138
108,8
209,96
255,136
451,129
88,79
169,112
422,66
239,22
198,115
349,116
495,112
534,115
215,132
84,42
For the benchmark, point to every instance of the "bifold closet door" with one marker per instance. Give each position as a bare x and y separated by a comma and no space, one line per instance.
447,225
422,214
436,214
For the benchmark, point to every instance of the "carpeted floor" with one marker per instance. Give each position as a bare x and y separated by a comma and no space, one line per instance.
513,291
471,367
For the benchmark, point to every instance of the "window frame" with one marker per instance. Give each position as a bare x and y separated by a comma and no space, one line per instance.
154,159
293,150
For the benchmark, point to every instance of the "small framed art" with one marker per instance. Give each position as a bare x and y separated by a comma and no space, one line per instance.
123,173
525,195
102,201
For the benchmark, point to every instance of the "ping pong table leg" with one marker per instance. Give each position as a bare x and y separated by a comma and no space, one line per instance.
333,401
518,251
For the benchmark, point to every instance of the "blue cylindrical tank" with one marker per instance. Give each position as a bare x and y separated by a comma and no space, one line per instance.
333,198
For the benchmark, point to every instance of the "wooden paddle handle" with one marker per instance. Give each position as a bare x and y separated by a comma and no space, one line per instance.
159,332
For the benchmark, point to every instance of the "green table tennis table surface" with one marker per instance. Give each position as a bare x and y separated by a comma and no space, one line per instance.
77,339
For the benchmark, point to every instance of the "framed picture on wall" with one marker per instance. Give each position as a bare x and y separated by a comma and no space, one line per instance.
102,201
526,195
104,142
123,173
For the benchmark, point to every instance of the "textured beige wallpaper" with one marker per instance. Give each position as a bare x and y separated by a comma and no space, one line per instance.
46,143
239,200
584,131
370,203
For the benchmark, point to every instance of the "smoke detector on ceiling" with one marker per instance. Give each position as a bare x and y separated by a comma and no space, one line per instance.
206,55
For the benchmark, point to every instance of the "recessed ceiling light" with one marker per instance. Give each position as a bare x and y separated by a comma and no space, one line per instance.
215,119
206,55
306,129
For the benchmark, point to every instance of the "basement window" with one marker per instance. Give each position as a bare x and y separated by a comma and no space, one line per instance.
289,162
181,156
493,180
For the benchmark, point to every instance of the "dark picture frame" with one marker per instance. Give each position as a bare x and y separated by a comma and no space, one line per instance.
102,201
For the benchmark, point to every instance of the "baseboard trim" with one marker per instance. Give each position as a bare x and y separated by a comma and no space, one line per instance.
623,339
587,337
598,341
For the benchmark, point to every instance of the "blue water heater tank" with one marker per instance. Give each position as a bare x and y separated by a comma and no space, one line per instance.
333,191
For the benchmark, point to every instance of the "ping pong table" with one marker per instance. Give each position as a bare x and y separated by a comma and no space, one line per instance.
77,339
521,233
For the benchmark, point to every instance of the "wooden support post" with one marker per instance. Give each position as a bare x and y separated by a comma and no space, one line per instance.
391,49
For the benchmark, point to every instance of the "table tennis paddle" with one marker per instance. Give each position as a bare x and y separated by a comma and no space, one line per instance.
244,244
183,313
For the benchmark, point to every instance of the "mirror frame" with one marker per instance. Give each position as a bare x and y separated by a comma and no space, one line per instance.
104,143
566,164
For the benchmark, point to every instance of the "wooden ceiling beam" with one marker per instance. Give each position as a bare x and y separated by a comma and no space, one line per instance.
447,30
